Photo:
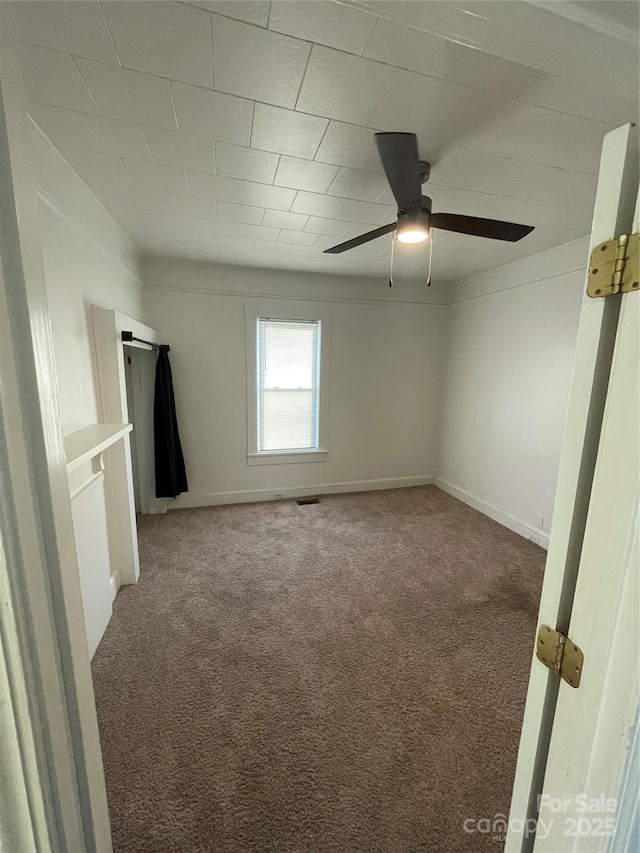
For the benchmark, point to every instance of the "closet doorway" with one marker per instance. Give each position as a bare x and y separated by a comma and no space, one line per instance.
139,373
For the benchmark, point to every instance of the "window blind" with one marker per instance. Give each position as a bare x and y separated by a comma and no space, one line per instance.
288,384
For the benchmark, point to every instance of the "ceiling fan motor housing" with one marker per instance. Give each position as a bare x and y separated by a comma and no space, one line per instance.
412,221
413,209
406,173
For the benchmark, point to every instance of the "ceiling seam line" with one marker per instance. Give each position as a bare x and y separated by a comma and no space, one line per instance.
113,43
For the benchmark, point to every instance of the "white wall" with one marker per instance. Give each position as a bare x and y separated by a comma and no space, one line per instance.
385,378
88,259
510,346
473,393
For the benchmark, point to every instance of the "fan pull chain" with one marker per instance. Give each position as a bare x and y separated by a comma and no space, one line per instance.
430,256
393,243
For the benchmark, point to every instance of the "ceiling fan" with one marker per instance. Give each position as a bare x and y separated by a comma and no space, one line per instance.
406,173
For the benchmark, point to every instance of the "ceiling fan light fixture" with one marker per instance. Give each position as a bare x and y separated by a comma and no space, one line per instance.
413,228
412,235
406,173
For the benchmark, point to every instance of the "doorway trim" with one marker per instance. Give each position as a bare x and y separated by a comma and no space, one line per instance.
53,742
108,326
140,397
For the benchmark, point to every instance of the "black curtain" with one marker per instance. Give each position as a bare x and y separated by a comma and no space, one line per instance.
171,476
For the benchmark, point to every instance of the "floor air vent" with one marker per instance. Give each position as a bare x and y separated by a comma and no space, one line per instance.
307,501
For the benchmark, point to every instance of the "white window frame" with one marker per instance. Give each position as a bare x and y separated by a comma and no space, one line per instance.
277,310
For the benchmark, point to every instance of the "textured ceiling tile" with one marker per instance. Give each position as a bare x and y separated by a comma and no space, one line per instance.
473,255
262,195
524,33
237,162
350,145
536,135
579,98
300,238
560,214
362,186
304,174
317,204
71,131
363,211
258,64
414,50
310,250
438,111
214,186
180,149
122,194
524,210
323,23
99,167
212,114
480,172
342,87
387,196
52,78
557,235
286,132
129,95
157,177
325,241
271,246
493,74
319,225
239,213
284,219
191,226
476,136
189,205
77,28
131,219
250,11
259,232
169,39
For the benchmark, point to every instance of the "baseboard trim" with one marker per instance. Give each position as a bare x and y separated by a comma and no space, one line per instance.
287,492
114,584
188,501
540,537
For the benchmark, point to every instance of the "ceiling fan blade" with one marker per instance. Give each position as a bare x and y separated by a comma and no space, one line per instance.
363,238
401,162
494,229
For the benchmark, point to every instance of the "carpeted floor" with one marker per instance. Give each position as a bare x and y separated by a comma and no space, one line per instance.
346,676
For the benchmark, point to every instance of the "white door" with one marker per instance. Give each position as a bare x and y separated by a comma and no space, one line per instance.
593,725
574,741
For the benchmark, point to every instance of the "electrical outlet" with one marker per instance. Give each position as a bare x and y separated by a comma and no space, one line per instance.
540,521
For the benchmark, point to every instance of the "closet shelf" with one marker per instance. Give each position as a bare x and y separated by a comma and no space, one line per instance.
85,443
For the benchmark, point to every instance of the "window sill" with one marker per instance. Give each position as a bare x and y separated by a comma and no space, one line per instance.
285,458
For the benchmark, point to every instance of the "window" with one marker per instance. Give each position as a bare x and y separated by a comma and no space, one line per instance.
288,384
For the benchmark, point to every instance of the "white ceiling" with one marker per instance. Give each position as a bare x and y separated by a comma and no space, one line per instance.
618,17
242,132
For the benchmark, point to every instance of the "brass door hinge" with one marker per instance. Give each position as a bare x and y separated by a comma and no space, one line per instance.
561,655
614,267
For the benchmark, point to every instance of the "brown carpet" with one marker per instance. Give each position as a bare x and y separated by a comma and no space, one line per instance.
347,676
